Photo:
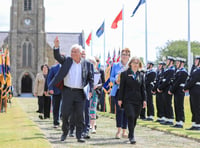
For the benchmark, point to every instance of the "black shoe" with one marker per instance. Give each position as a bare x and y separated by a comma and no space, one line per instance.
40,116
166,123
159,120
81,140
71,135
132,140
149,119
193,128
86,136
37,111
177,126
63,137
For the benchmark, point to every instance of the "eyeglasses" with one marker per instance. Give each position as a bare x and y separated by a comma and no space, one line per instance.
125,54
135,62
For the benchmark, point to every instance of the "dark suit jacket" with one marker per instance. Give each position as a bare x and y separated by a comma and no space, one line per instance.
66,62
52,72
132,90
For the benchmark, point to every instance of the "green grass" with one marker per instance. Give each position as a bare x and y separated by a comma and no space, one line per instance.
17,130
181,132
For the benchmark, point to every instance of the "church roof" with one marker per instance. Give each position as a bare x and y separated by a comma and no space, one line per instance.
66,39
3,35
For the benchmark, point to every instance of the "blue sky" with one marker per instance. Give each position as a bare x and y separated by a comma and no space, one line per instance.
167,20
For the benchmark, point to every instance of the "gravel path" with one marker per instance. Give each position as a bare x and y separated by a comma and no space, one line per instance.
145,137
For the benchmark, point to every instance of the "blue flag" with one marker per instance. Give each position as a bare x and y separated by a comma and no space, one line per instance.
100,30
138,5
106,84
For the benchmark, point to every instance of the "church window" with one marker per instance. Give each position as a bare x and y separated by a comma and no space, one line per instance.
27,5
27,55
24,55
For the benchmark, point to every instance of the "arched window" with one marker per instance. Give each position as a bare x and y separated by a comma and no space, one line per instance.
27,55
24,55
27,5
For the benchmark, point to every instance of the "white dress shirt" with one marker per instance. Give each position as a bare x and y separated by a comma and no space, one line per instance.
74,76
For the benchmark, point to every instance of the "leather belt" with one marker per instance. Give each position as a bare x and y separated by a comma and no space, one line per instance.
73,89
197,83
182,85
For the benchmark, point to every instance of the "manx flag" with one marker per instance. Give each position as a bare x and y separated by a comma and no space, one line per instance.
100,31
89,39
138,5
117,19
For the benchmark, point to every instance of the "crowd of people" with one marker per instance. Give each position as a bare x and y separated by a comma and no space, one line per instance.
77,87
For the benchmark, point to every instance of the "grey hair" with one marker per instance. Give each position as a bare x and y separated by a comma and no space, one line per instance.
76,46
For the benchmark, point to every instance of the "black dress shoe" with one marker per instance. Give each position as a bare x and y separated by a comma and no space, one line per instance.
193,128
40,116
71,135
177,126
63,137
132,140
81,140
86,136
149,119
166,123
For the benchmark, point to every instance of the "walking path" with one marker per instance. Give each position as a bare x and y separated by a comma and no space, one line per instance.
145,137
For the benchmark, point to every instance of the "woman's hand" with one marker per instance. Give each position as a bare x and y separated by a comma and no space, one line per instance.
144,104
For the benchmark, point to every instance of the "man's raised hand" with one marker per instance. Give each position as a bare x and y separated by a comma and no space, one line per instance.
56,43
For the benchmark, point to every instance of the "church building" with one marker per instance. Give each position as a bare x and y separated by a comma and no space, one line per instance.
29,45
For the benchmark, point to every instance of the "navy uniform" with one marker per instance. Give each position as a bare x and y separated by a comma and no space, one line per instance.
159,98
176,88
193,85
168,75
149,79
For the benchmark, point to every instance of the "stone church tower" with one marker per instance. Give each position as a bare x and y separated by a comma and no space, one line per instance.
27,43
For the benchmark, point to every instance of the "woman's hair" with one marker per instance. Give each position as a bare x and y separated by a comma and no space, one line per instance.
44,65
135,59
126,50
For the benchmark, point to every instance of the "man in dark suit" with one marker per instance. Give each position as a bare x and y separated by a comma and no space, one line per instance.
56,97
76,73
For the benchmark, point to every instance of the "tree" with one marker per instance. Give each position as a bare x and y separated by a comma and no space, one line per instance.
178,48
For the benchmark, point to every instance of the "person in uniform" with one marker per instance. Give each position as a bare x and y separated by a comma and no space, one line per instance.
168,75
176,88
193,85
149,79
159,98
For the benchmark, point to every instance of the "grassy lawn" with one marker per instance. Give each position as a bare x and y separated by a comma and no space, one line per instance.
181,132
17,130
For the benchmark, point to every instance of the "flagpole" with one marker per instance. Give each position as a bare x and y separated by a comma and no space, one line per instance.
104,59
189,44
146,39
91,43
123,26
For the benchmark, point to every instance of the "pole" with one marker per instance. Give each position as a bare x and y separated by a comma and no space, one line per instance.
104,57
146,39
123,27
189,44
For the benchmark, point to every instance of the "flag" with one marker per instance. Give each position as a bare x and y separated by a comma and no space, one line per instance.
106,85
114,55
108,60
89,39
100,31
118,58
117,19
138,5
